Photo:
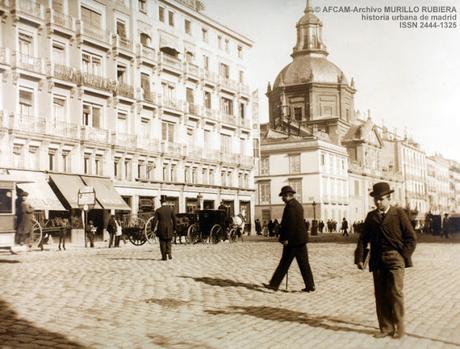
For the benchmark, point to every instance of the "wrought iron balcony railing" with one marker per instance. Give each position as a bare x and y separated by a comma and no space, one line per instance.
28,8
148,143
62,129
27,123
93,32
170,61
60,19
94,134
122,42
122,139
4,56
125,90
30,63
146,52
229,119
173,149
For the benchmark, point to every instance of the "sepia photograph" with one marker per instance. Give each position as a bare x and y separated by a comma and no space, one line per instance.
163,162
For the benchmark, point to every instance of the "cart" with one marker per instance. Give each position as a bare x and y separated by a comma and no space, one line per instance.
214,226
133,227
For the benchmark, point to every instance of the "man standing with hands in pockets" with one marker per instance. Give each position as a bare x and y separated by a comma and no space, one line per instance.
293,236
393,241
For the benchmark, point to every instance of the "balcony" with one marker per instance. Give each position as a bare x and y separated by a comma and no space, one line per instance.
246,161
124,90
245,122
172,149
123,43
193,109
28,10
243,88
229,158
211,155
170,63
96,81
210,76
62,129
148,143
192,70
4,56
94,34
63,72
229,119
28,123
29,63
194,153
228,84
3,119
146,96
210,113
93,134
172,103
146,53
56,21
126,140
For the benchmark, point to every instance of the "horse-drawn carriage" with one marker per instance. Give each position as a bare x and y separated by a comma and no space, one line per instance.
214,226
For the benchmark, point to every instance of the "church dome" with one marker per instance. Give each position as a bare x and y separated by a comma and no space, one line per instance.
307,68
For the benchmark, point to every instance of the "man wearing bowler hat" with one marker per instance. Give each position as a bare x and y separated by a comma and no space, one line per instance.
293,236
166,220
392,239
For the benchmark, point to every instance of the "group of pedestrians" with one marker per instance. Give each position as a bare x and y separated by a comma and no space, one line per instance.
392,241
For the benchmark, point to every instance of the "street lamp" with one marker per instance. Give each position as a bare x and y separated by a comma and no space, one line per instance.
314,223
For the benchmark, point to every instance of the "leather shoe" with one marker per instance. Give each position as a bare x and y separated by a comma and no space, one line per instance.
309,289
383,334
170,257
270,287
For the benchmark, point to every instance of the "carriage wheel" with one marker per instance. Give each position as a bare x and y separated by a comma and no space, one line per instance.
216,233
193,234
37,234
149,231
137,237
233,235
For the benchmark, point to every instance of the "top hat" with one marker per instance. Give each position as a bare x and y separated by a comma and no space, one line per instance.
24,193
163,198
286,189
381,189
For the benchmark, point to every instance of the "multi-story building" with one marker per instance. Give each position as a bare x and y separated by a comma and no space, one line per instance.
454,186
438,184
148,93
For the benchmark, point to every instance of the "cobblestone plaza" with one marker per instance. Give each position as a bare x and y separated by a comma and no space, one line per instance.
210,296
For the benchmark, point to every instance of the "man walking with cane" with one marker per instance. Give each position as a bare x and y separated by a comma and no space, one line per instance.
293,236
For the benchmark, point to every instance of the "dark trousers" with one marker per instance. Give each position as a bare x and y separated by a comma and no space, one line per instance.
301,255
111,239
165,248
388,288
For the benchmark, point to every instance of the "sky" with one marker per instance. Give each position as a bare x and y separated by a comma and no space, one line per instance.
409,79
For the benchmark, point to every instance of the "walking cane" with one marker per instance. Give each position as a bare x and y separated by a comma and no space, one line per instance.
287,277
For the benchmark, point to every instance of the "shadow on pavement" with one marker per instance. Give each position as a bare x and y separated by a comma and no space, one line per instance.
279,314
134,259
165,342
9,261
227,283
19,333
167,302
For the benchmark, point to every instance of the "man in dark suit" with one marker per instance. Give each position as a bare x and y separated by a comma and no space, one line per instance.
293,236
166,220
392,239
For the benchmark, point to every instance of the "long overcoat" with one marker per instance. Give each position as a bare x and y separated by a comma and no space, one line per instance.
292,226
27,216
166,222
395,228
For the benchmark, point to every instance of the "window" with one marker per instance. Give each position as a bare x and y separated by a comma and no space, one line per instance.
58,53
356,191
171,18
264,193
167,131
187,176
265,165
194,175
227,106
25,102
18,156
122,75
66,161
169,92
91,17
98,165
58,111
224,70
294,163
229,179
187,26
298,113
127,169
58,6
25,44
121,29
204,176
161,14
206,62
240,180
207,99
204,34
145,39
145,83
242,110
142,5
173,173
91,64
226,144
6,201
91,116
219,41
150,170
241,77
227,45
189,95
211,176
87,163
323,159
122,123
240,52
296,184
34,158
223,179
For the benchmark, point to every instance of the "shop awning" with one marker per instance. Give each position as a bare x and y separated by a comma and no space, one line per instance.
41,196
106,194
69,185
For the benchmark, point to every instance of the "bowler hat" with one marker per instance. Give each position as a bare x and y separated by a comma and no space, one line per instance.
162,198
286,189
381,189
